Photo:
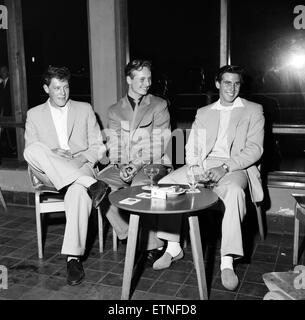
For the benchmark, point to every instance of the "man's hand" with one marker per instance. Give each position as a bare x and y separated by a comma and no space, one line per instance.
127,172
216,173
63,153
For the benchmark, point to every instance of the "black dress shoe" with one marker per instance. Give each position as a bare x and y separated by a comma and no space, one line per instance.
97,192
75,272
153,255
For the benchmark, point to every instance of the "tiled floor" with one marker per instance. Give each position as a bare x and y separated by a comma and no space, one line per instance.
30,278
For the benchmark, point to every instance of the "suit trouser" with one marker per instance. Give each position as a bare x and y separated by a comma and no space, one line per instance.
230,190
119,219
54,170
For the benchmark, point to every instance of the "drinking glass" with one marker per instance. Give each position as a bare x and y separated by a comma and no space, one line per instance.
151,172
192,174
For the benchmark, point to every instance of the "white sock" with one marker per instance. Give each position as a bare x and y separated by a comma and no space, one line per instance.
72,257
173,248
85,181
226,262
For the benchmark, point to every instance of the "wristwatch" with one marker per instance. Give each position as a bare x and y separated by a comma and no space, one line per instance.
226,167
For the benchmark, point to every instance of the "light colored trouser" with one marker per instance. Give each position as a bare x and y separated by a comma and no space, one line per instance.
60,172
148,235
230,190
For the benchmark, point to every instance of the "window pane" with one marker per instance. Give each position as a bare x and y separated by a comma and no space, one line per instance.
182,41
265,40
7,133
56,33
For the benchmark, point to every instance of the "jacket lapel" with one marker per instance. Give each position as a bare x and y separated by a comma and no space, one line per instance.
234,120
212,124
71,118
140,112
49,123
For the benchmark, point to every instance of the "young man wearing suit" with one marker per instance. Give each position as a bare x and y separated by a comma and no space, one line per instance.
138,131
62,145
226,141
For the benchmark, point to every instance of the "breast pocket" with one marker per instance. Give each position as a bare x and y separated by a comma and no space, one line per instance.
146,125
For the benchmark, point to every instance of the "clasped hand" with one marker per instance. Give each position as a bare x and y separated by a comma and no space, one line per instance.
215,174
127,172
212,174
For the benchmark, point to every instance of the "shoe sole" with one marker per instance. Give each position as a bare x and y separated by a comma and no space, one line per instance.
76,282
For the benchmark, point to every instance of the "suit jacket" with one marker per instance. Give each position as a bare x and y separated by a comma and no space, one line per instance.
84,134
245,140
140,134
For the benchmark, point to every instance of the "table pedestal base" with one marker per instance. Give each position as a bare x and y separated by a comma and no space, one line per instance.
196,251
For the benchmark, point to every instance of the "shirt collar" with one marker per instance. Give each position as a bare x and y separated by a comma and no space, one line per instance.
62,109
133,102
236,104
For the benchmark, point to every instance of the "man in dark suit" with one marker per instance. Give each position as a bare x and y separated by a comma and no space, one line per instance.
5,94
139,131
8,135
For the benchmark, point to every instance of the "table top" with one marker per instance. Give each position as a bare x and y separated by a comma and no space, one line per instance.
186,202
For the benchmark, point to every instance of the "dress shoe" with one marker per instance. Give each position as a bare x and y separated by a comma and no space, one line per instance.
75,272
166,260
229,279
153,255
97,192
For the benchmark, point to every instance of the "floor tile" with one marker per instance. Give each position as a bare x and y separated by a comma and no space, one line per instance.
163,287
253,289
174,276
188,292
33,278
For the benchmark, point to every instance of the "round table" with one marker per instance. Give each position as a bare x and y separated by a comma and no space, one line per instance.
187,203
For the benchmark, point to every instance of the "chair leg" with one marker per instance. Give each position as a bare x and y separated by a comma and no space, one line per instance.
185,231
38,224
100,229
296,238
114,240
2,201
260,220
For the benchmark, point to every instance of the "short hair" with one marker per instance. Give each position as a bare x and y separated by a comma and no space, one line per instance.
60,73
136,64
229,69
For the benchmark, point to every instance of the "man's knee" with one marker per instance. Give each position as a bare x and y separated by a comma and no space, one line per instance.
236,190
76,190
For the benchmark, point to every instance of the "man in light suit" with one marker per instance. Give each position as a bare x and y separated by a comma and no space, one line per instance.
226,141
62,145
138,132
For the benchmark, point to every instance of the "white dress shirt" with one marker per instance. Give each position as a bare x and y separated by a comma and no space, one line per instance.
60,119
221,149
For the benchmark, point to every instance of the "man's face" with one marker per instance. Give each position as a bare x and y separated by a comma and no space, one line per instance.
140,83
58,92
229,88
3,72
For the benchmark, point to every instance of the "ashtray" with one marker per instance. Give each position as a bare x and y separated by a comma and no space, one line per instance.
174,191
